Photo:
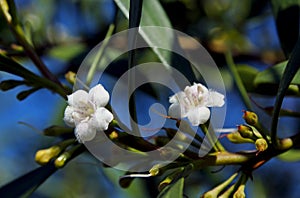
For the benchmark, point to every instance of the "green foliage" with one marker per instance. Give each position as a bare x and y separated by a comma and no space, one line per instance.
28,183
173,190
286,14
274,74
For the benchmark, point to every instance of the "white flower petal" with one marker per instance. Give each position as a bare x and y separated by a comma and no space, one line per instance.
178,110
214,99
84,132
175,111
195,90
78,99
101,119
99,96
68,117
198,115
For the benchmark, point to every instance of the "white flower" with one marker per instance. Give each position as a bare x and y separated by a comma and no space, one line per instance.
86,112
193,103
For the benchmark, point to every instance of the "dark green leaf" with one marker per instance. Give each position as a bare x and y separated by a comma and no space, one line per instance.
173,190
10,84
154,15
12,67
287,14
288,75
24,94
26,184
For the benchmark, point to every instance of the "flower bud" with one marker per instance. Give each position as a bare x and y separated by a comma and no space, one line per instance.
154,171
70,77
261,144
218,189
246,132
236,137
240,193
250,118
10,84
43,156
57,130
66,156
170,178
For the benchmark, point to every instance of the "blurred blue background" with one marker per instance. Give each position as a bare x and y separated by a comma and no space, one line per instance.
69,21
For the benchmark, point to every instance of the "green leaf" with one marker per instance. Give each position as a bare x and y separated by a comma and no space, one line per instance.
10,84
286,14
292,155
24,94
154,15
287,77
273,74
10,66
175,190
248,75
26,184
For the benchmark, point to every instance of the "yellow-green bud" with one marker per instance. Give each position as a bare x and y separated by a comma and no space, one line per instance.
261,144
43,156
155,170
236,137
62,159
245,131
250,118
70,77
240,193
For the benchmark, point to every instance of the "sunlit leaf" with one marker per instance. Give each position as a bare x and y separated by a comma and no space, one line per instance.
173,190
292,155
273,75
26,184
159,37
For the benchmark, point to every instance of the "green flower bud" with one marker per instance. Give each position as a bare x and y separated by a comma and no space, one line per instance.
10,84
236,137
246,132
66,156
70,77
57,130
261,144
218,189
154,171
240,193
43,156
250,118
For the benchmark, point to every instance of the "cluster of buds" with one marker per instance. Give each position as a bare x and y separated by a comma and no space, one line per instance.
225,189
251,132
61,152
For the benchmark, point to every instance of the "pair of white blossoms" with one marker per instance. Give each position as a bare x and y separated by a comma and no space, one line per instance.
87,113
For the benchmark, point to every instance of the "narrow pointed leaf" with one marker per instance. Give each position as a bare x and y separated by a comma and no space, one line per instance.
273,74
154,15
288,75
287,19
26,184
